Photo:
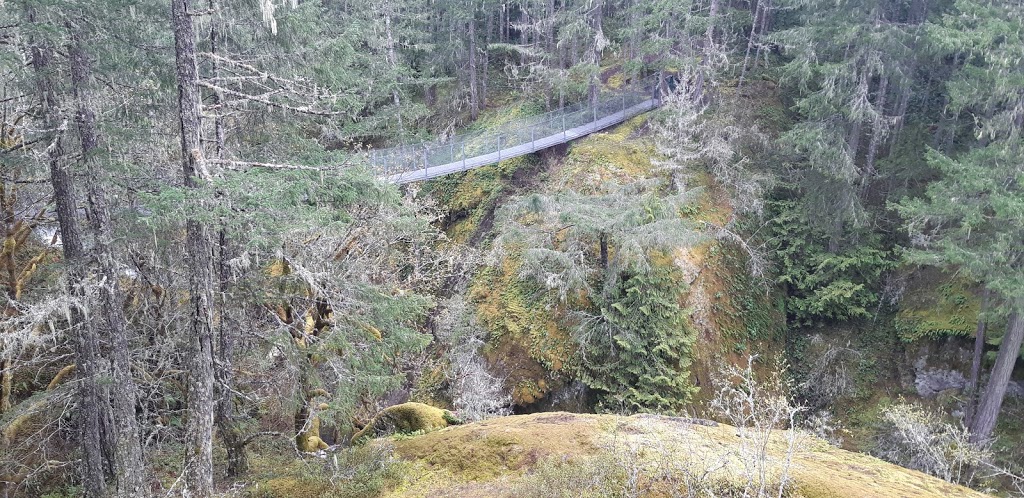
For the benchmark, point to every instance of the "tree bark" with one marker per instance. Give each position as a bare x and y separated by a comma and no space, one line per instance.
603,243
552,56
988,410
474,102
712,15
751,41
198,472
877,133
979,348
765,18
86,343
393,61
228,428
597,19
486,58
128,465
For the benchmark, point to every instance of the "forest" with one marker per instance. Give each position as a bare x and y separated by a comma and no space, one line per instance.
795,269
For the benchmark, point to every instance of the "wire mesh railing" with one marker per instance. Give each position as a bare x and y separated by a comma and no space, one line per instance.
524,135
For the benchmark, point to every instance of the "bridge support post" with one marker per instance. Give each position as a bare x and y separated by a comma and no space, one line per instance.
463,156
533,140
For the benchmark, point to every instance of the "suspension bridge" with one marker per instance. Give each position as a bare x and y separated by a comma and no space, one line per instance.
427,160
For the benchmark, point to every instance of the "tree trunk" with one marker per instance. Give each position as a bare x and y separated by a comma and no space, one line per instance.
86,343
128,466
393,60
751,41
603,243
552,54
474,99
877,132
597,19
486,55
765,17
712,15
503,21
988,410
901,112
198,472
6,383
228,428
979,348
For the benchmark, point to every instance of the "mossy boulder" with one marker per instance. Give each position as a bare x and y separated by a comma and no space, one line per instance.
403,419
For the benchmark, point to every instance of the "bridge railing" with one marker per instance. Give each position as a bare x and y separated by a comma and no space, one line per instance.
526,130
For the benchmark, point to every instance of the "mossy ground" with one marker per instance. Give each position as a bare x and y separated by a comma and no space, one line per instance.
621,154
500,457
361,472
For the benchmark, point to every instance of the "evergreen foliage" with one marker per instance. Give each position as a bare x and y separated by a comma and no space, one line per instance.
637,347
824,285
606,255
187,226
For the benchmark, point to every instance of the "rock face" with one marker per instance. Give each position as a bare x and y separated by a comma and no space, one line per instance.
932,381
405,418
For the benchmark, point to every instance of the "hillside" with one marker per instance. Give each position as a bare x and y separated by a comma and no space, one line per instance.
494,248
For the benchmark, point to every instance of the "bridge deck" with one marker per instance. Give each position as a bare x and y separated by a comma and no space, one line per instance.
524,148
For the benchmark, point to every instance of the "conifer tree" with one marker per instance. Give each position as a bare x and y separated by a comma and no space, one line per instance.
970,217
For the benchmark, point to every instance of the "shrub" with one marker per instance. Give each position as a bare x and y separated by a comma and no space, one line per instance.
757,405
361,472
919,439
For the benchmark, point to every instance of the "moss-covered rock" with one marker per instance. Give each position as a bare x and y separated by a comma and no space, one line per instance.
937,304
405,418
505,456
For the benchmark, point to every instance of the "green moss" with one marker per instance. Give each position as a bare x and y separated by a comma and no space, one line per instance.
526,340
935,305
431,385
544,454
619,155
742,309
403,418
366,471
468,198
287,487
